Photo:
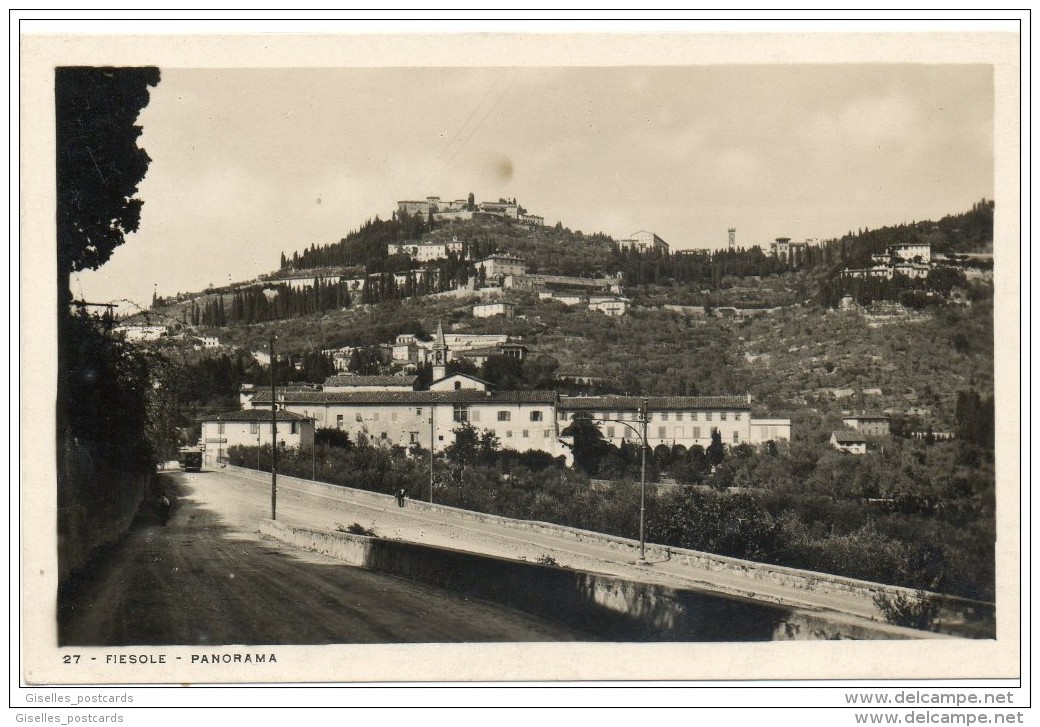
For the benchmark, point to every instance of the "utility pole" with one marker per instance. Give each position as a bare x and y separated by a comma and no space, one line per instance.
274,440
431,452
644,417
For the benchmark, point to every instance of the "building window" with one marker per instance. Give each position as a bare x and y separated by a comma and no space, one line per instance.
418,412
696,432
460,413
536,416
707,416
458,385
382,435
375,416
220,427
722,416
664,416
524,434
293,429
562,416
339,421
662,432
693,416
610,432
736,416
678,416
393,416
254,427
413,437
509,434
475,415
503,416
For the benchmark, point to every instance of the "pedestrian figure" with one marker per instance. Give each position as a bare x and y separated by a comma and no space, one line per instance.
400,497
164,509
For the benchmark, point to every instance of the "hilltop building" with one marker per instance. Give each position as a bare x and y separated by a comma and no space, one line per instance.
426,251
784,248
643,241
462,209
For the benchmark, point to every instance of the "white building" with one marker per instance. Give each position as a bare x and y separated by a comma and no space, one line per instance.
136,334
849,441
494,266
250,427
643,241
912,251
676,420
608,304
488,310
522,420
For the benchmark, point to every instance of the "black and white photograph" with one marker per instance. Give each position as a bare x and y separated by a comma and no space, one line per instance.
518,357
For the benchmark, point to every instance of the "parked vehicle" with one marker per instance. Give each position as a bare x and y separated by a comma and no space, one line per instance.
190,459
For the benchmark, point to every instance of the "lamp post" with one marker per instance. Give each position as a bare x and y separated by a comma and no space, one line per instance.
644,417
431,453
274,440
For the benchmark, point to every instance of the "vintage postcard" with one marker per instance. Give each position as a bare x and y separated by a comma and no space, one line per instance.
510,357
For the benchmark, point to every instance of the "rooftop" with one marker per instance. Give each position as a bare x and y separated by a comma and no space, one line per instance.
848,436
357,380
254,415
632,403
462,396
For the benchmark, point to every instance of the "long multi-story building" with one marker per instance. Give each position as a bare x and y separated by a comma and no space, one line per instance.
676,420
526,420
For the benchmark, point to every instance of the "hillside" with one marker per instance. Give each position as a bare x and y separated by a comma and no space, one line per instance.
793,355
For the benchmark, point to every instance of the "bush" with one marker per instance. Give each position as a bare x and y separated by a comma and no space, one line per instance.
916,612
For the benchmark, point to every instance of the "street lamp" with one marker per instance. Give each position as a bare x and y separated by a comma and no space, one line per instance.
274,439
644,419
431,453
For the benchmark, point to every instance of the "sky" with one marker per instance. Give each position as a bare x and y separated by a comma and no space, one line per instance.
249,163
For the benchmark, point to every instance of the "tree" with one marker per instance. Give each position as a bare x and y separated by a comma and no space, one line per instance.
716,452
505,372
331,437
465,449
98,162
589,446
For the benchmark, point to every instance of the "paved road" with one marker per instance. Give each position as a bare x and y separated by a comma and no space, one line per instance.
303,504
206,577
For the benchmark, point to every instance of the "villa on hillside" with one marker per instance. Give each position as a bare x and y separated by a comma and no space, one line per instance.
643,241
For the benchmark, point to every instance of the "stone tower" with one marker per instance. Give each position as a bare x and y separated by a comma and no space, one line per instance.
440,354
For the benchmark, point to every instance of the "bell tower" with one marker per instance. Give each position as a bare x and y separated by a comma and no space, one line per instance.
440,354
